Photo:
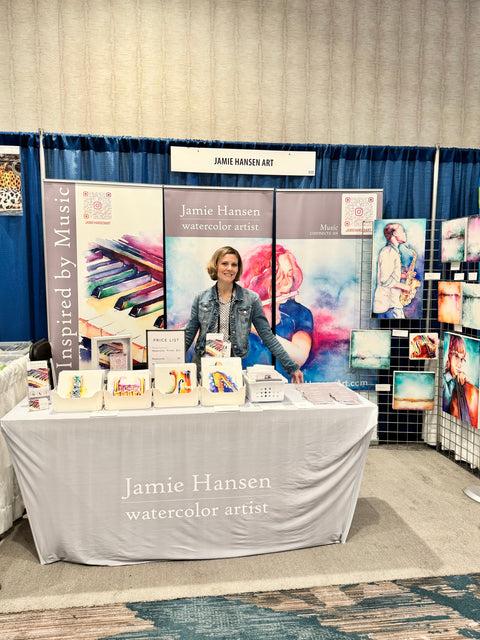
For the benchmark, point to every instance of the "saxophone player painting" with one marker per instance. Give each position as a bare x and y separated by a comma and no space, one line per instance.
398,268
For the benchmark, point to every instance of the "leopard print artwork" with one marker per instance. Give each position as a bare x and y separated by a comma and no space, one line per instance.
10,185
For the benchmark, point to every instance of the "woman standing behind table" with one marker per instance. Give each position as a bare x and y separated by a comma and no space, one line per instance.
230,309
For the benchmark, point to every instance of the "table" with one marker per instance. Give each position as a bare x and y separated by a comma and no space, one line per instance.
192,483
13,387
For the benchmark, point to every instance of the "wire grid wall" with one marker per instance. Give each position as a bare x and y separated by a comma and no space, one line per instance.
406,426
449,435
456,439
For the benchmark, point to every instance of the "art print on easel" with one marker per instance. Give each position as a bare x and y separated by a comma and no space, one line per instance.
398,256
461,362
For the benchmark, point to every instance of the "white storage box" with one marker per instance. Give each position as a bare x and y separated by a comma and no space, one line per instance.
264,384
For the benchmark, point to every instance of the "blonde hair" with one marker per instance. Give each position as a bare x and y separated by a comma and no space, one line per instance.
212,265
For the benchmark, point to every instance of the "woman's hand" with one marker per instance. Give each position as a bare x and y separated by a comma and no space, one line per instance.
297,377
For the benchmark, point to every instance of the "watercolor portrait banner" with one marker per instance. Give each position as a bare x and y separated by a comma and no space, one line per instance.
318,282
104,266
398,258
461,365
200,221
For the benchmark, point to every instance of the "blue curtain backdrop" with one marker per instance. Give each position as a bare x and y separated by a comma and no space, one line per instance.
22,288
404,173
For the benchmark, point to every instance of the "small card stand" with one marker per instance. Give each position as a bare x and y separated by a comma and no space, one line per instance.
210,398
163,400
132,380
78,391
170,382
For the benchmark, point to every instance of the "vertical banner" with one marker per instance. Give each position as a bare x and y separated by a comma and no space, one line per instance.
104,266
320,236
200,221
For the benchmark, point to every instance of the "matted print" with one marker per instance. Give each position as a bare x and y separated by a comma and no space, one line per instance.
453,240
318,284
370,349
461,363
112,352
398,257
423,346
471,305
175,378
413,390
472,252
450,302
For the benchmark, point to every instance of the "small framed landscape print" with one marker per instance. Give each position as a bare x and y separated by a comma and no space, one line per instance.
112,352
165,346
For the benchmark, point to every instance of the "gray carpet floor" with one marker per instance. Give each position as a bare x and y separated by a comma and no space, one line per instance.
412,520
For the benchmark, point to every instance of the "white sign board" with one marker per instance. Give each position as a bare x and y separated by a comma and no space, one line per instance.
248,161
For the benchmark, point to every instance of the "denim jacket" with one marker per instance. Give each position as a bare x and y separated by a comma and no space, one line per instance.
246,310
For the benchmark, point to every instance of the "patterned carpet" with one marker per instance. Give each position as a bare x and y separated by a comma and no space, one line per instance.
446,608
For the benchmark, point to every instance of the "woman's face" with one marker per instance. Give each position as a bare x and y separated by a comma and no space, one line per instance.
227,268
285,274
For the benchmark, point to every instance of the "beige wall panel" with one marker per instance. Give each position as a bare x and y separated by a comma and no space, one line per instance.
393,72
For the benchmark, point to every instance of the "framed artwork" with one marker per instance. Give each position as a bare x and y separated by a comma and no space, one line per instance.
461,363
413,390
472,252
10,182
471,305
453,240
450,302
112,350
370,349
423,346
398,258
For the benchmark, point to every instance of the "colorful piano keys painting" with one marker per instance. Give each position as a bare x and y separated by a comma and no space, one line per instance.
127,383
38,380
124,293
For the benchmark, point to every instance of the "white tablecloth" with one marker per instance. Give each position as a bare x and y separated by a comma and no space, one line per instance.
118,488
13,387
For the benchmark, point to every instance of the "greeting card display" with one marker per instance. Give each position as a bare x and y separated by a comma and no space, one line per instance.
222,381
78,391
38,385
128,390
175,385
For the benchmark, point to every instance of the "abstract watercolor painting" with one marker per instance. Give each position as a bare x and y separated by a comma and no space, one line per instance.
370,349
453,240
423,346
413,390
471,305
472,253
450,302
